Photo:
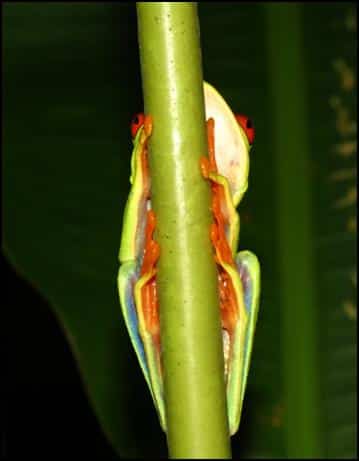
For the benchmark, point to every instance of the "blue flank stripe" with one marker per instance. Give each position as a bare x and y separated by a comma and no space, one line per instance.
132,315
247,285
248,292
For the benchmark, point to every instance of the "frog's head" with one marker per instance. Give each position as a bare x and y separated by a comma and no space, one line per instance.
247,126
234,135
136,123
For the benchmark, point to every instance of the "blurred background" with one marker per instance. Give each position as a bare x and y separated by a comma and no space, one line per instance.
71,85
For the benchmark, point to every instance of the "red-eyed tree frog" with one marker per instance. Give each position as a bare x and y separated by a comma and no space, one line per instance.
226,168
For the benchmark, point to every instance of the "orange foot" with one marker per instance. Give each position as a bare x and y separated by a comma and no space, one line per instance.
152,248
205,167
148,124
208,164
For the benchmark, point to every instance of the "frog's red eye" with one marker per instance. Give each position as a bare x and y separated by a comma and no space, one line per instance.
247,125
136,123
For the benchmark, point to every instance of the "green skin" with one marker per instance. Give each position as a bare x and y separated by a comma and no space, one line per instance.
232,158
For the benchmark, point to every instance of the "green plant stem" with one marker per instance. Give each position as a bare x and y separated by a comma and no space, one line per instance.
187,281
293,181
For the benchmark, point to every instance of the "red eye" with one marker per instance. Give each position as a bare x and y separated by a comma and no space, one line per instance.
136,123
247,125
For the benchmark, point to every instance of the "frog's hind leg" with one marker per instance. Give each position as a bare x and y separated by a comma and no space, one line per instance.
126,279
249,272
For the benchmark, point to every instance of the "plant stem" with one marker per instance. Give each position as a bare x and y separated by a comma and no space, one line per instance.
191,338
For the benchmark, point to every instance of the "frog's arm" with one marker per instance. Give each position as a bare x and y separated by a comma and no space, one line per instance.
133,228
127,277
232,144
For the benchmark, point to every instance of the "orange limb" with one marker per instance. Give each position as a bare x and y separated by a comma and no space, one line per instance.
149,290
148,124
205,167
151,252
228,303
210,141
151,247
208,164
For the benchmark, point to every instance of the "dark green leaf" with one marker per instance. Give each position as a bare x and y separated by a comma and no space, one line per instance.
71,85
